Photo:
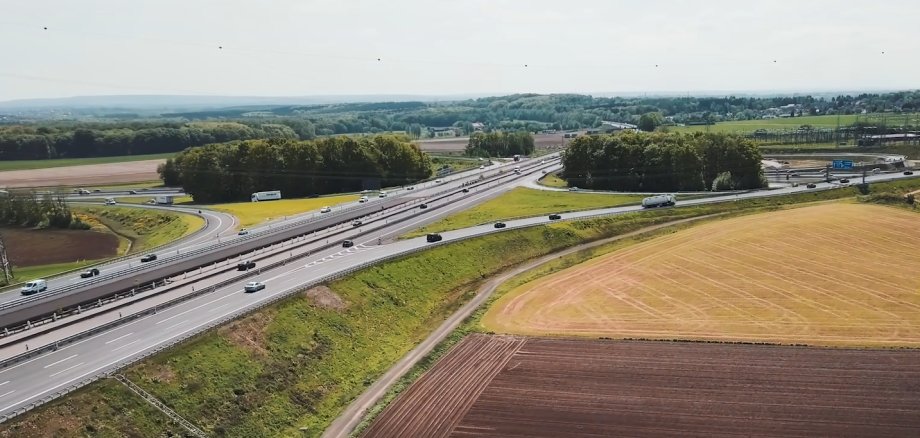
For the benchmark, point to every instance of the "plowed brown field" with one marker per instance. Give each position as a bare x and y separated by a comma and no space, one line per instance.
834,274
86,175
591,388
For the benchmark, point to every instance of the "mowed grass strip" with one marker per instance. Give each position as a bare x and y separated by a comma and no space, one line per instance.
252,213
523,202
838,274
66,162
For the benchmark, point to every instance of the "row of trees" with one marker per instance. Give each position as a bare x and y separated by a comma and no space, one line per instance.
663,162
33,210
233,171
500,144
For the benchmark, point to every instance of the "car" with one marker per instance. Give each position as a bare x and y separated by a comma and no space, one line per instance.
242,232
811,185
84,192
554,217
500,225
794,175
133,192
382,195
844,180
363,199
148,258
573,189
357,223
482,166
437,181
465,190
480,158
97,191
325,209
89,273
254,286
110,201
542,161
423,206
433,238
245,265
34,286
908,172
410,188
347,244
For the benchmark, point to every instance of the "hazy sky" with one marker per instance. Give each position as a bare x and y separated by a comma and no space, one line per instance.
314,47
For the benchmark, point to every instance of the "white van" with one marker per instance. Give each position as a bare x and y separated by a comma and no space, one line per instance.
34,286
110,201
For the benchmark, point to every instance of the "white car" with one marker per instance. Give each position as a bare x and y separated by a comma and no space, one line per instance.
325,209
243,232
482,167
382,195
254,286
363,199
437,181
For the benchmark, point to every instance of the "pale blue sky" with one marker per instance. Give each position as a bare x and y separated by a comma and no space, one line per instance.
316,47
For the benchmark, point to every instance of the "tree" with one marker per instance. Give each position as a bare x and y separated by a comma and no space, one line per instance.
648,122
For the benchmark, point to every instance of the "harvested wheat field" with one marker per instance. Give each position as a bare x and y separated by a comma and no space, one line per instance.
498,386
837,274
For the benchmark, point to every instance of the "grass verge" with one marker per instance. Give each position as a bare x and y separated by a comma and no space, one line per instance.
252,213
553,180
65,162
43,271
144,228
524,202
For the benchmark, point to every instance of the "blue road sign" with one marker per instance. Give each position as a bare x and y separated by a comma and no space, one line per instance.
843,164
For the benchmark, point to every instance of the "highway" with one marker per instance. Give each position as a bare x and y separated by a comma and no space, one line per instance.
52,373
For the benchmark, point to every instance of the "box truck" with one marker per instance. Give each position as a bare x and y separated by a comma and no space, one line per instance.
659,201
163,200
266,196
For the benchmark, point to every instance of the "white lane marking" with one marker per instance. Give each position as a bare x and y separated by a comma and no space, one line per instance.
120,337
7,393
194,308
126,345
4,383
68,369
62,360
219,307
176,324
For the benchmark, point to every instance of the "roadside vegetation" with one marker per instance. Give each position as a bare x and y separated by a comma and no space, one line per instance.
524,202
66,162
553,180
253,213
746,126
290,368
144,228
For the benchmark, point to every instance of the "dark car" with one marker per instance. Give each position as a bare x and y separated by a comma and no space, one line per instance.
433,237
466,190
357,223
133,192
423,206
245,265
908,172
811,185
554,217
89,273
500,225
844,180
148,258
347,244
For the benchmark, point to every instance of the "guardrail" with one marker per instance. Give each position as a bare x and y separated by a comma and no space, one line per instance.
28,324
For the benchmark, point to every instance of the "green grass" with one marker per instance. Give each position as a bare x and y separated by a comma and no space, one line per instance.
42,271
744,126
457,163
252,213
553,180
181,200
143,227
296,364
524,202
64,162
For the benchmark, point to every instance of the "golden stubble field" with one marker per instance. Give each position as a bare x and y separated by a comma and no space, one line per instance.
838,274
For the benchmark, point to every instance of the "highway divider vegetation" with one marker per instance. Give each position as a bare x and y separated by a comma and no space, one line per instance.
232,171
663,162
500,144
289,369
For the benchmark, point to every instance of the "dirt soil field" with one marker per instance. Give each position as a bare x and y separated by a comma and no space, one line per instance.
89,175
834,274
541,141
496,386
44,247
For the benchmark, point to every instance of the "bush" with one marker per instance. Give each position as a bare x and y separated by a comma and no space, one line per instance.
723,182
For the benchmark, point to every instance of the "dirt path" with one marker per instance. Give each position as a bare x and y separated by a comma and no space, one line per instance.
354,413
88,175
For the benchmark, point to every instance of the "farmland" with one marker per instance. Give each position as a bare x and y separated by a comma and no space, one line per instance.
68,162
839,274
744,126
455,144
500,386
82,175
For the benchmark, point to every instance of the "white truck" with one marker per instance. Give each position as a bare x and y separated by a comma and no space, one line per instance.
34,287
659,201
163,200
271,195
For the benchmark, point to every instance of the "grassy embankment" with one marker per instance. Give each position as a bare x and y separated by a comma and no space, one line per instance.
298,363
142,228
64,162
553,180
252,213
524,202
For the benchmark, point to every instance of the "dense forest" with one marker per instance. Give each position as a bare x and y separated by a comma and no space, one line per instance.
661,162
120,134
500,144
33,210
232,171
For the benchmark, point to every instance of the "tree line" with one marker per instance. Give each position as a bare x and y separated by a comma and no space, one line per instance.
31,210
663,162
233,171
500,144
